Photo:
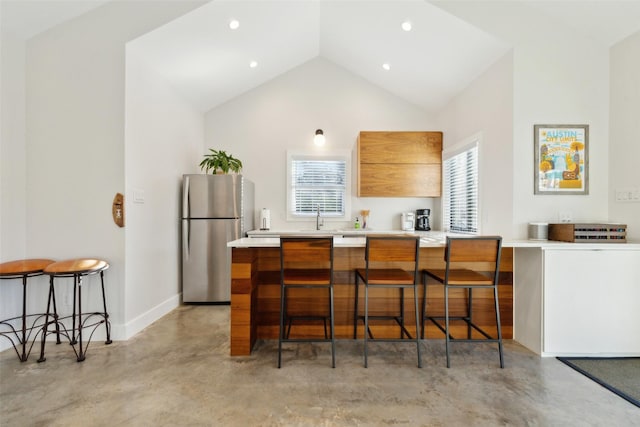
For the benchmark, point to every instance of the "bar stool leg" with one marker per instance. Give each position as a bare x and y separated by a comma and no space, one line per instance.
470,313
355,311
107,323
280,336
23,357
446,318
424,305
415,299
55,315
402,328
495,296
74,341
366,321
46,322
333,330
81,355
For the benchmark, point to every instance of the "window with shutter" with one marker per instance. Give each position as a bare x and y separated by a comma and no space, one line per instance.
460,182
317,182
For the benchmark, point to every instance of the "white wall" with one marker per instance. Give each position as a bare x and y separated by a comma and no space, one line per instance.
625,127
260,125
73,163
559,79
164,136
12,170
486,107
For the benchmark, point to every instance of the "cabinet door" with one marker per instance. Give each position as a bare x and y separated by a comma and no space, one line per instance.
399,164
401,147
591,302
400,180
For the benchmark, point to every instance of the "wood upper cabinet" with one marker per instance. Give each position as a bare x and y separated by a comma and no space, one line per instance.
400,164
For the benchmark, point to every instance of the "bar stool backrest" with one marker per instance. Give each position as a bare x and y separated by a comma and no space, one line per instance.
392,248
304,253
473,252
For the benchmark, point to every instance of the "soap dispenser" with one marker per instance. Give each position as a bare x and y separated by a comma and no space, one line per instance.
357,224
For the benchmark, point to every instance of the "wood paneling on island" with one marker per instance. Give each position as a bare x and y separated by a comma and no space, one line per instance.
255,297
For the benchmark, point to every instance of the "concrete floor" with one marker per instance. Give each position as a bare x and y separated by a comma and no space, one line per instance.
178,372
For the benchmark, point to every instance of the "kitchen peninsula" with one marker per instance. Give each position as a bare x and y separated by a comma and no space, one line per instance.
556,298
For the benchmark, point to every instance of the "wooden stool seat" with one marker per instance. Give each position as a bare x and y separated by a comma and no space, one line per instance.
70,267
16,269
23,269
77,268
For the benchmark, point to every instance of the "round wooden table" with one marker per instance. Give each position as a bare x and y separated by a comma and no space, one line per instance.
15,270
77,268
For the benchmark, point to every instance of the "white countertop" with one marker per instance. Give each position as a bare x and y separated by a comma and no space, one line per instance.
357,238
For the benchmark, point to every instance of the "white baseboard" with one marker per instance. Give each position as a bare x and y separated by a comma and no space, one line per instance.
131,328
119,332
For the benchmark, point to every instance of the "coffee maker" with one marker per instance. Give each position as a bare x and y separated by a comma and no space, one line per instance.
422,219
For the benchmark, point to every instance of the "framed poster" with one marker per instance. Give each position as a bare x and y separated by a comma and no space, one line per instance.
561,159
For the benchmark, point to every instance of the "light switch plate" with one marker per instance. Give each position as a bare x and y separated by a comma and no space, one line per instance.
138,196
628,194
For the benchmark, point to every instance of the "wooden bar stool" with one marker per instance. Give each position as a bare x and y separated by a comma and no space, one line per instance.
391,262
77,268
15,270
471,263
306,263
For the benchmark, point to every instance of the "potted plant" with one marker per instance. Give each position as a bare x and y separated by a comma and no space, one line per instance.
219,160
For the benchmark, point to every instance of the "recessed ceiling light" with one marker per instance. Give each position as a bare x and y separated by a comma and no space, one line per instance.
253,64
234,24
386,66
406,25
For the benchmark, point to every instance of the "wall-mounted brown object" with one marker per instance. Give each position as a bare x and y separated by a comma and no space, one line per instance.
400,164
117,209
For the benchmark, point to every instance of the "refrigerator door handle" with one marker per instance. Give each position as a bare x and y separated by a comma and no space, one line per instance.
186,211
186,238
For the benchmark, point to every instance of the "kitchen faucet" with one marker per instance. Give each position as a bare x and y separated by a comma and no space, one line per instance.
319,222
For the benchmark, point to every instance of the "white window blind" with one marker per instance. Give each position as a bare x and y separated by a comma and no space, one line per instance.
318,183
460,210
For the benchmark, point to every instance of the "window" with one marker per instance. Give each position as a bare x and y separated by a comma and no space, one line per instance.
317,181
460,182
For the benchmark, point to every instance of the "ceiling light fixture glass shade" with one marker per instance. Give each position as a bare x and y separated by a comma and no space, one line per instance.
253,64
406,25
234,24
319,139
386,66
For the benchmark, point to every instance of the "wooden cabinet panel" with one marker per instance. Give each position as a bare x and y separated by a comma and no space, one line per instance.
400,180
400,147
399,164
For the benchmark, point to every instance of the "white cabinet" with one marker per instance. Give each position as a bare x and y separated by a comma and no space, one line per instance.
584,301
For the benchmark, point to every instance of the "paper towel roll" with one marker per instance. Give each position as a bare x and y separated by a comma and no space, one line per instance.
265,219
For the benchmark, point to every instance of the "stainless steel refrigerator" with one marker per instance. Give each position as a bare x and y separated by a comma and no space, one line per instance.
216,209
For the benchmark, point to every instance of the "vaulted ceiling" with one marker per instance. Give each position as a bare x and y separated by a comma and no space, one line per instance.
450,42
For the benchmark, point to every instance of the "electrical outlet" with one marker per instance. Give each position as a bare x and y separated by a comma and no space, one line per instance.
565,216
